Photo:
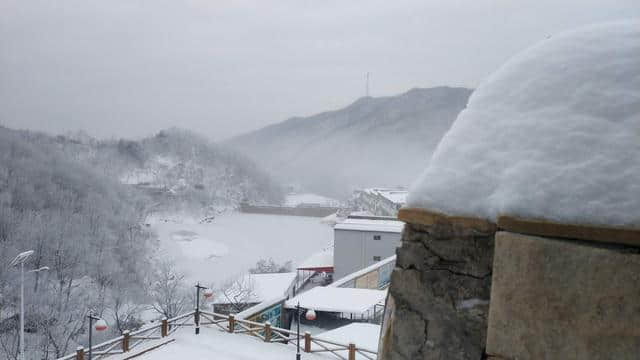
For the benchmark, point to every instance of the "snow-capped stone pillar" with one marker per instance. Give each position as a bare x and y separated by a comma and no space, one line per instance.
440,288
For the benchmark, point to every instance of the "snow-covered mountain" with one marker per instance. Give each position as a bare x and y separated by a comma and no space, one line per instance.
372,142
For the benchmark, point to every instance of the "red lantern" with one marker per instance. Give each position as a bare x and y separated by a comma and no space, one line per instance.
101,325
310,315
207,293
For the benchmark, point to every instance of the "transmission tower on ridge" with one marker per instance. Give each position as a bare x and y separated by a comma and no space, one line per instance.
367,86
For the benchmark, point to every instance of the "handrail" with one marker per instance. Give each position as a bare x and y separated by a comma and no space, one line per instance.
276,334
227,323
129,340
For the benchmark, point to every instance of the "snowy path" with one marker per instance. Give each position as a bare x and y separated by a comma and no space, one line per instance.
215,344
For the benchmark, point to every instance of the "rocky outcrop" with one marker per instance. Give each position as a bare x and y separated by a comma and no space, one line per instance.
440,288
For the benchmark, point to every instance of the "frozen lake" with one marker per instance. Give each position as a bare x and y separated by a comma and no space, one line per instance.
230,244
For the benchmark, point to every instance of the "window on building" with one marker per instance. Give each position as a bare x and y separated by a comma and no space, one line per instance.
377,258
376,237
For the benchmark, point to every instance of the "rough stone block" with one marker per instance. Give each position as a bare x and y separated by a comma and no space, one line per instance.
562,299
440,287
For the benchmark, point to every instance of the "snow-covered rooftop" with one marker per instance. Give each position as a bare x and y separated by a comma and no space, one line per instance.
392,226
258,287
342,300
321,259
553,134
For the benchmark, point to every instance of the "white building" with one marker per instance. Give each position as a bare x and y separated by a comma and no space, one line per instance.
381,201
360,241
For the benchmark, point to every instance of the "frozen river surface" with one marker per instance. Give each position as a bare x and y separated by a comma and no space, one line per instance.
230,244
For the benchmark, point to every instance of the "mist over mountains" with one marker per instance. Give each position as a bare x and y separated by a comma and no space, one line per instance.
384,141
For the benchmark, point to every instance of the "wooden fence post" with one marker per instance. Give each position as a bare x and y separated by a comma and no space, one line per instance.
232,323
125,340
267,331
164,328
80,353
307,341
352,351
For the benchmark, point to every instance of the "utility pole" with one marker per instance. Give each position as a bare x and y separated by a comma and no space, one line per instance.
367,86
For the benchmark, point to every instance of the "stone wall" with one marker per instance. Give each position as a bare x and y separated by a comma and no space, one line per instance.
534,290
554,298
439,294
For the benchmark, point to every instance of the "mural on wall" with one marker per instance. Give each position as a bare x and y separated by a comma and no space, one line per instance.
379,278
272,314
384,274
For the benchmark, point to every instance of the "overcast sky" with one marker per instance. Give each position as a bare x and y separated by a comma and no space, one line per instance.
220,67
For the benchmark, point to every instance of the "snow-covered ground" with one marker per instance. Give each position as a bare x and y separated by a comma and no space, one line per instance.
215,344
230,244
362,334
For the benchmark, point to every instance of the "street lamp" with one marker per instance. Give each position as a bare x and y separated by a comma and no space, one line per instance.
19,260
207,294
310,315
101,325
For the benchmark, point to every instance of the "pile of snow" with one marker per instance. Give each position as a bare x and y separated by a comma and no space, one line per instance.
553,134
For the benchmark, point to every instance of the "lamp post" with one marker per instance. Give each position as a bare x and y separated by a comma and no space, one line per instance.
101,325
207,294
310,315
20,260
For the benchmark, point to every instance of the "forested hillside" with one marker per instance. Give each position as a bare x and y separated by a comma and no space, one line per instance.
80,204
373,142
86,228
177,169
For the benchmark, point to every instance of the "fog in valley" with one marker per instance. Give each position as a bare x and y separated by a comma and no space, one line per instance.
133,133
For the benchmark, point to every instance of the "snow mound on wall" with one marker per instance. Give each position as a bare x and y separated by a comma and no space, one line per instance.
553,134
